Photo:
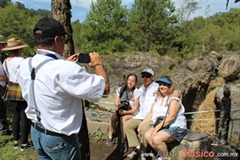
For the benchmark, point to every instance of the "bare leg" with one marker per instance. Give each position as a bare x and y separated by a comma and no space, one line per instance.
112,124
159,143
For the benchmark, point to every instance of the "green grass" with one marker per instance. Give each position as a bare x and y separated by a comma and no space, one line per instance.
9,153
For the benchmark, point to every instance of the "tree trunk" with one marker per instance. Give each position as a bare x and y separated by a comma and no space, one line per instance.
84,138
61,11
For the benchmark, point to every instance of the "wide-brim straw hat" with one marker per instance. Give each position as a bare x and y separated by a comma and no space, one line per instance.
13,44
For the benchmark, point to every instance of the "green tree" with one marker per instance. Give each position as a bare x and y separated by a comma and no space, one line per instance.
78,38
20,5
16,22
39,12
228,32
152,25
4,3
106,24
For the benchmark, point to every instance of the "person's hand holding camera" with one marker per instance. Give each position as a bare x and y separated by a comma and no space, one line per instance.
73,58
96,60
97,63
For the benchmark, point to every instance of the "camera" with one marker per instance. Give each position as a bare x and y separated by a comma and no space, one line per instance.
84,58
124,105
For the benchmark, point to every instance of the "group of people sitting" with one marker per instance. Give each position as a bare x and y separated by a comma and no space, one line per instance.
153,112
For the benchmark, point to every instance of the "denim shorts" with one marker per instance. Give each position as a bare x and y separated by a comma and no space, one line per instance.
176,132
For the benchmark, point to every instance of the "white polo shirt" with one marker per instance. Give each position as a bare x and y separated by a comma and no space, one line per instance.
59,87
147,99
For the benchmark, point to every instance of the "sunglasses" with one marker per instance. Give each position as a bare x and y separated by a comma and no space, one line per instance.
146,76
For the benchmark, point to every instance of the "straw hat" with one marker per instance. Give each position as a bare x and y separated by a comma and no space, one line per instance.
13,44
2,39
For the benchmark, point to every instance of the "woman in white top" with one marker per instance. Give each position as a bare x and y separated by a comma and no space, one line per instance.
20,123
127,94
168,129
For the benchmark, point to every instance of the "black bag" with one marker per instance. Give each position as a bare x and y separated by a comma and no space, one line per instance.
124,106
159,120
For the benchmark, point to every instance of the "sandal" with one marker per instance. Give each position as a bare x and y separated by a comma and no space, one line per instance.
109,142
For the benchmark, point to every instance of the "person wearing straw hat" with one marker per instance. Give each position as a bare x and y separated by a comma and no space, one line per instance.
4,130
20,122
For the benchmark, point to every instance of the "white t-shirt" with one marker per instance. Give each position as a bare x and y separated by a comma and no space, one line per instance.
160,109
129,96
2,73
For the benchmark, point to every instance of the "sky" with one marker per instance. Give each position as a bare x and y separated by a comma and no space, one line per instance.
81,7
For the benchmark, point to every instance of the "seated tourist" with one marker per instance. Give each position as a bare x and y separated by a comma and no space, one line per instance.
127,101
167,114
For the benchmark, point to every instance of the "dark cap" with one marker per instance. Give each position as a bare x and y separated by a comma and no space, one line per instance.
49,27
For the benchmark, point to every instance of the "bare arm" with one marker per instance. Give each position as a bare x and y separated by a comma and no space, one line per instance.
117,101
3,78
135,108
97,64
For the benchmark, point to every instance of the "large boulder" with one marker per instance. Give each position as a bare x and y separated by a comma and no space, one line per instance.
230,67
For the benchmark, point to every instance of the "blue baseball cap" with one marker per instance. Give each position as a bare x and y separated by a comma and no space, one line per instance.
164,80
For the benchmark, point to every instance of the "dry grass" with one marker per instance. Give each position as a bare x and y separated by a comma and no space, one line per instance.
206,126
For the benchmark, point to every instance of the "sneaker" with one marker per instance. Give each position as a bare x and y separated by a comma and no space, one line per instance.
123,147
133,154
130,150
5,132
28,146
15,146
109,142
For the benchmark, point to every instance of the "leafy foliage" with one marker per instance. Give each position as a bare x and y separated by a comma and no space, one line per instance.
18,22
151,25
4,3
106,24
